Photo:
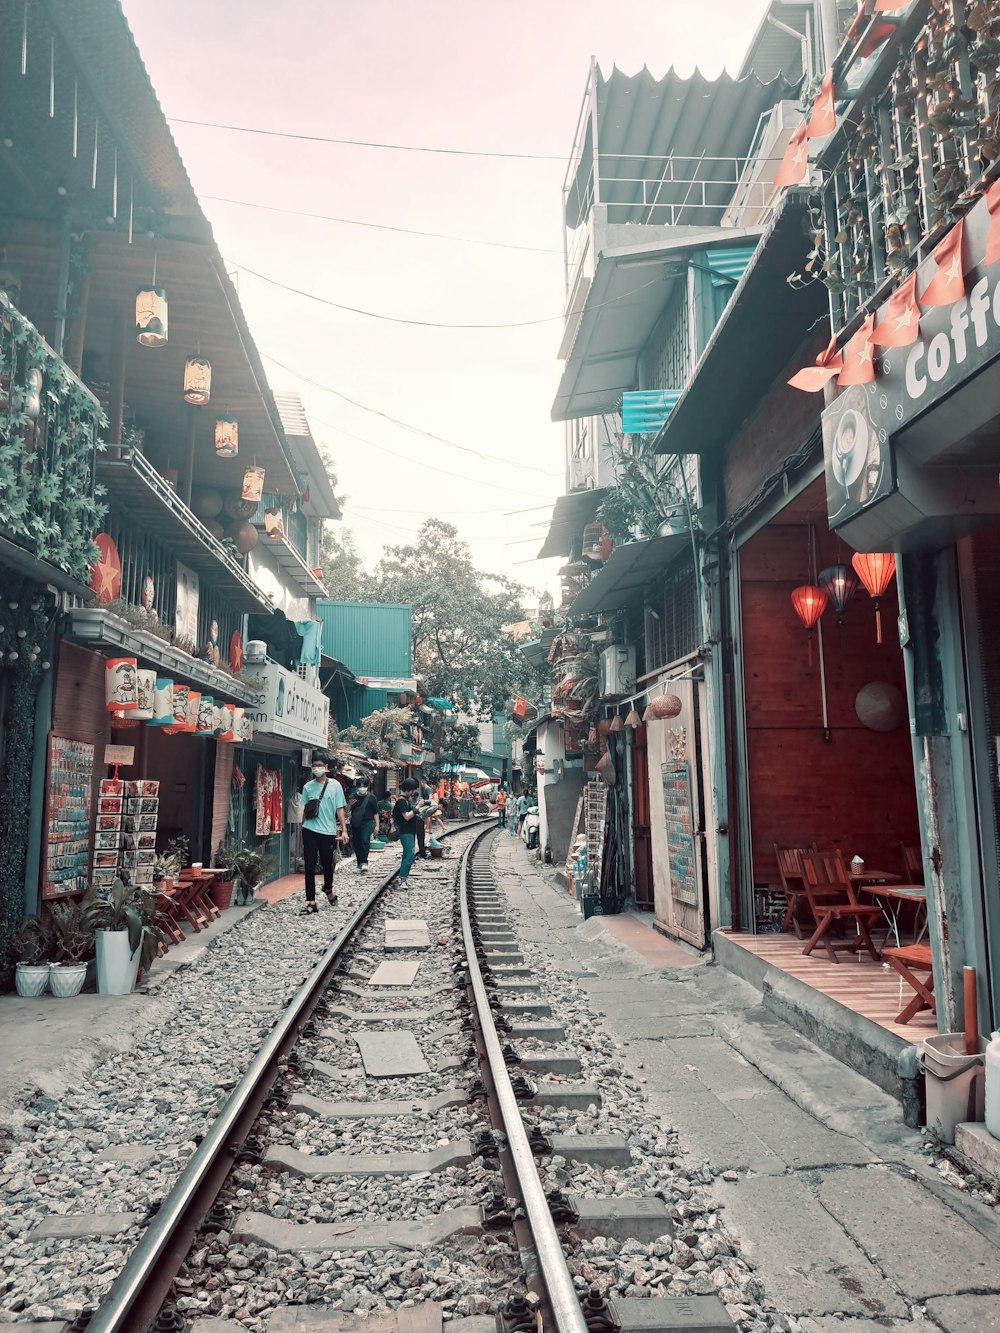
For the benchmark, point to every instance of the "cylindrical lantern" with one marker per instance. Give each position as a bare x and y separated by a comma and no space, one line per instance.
227,437
875,570
238,715
253,484
809,602
274,524
205,723
228,732
193,707
163,703
197,380
121,684
178,710
245,728
244,535
151,316
146,684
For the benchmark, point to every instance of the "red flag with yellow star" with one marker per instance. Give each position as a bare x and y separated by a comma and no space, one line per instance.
794,169
859,354
810,379
899,319
948,283
993,235
823,117
887,6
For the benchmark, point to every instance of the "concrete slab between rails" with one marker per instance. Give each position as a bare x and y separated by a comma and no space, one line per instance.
396,973
537,1032
428,1317
599,1149
323,1237
317,1166
391,1054
493,959
873,1051
555,1063
527,1009
644,1220
78,1226
517,985
674,1314
502,971
308,1105
573,1095
381,1016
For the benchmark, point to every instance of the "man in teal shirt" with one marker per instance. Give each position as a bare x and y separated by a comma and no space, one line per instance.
322,832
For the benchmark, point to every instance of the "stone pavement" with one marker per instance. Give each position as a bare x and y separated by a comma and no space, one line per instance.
850,1226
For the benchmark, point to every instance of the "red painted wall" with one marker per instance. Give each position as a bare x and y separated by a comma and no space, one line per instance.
856,791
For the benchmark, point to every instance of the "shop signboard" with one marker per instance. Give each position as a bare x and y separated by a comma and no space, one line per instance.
286,705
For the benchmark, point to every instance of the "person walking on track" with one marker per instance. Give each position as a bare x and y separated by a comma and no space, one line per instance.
364,822
324,824
404,816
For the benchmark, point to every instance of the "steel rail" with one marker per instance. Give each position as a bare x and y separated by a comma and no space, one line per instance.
563,1298
163,1240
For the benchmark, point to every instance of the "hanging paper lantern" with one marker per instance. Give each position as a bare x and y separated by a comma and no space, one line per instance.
178,710
274,524
604,726
617,723
151,316
197,380
840,584
238,724
875,570
244,535
215,528
146,684
148,594
236,507
163,703
227,724
193,706
810,602
227,437
633,718
244,728
205,722
253,484
207,503
121,684
662,707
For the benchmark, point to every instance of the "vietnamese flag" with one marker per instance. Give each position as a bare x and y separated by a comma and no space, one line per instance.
887,6
812,378
794,169
948,283
899,319
859,360
993,235
823,117
877,34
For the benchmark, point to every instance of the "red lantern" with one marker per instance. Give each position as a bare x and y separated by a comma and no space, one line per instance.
810,602
875,570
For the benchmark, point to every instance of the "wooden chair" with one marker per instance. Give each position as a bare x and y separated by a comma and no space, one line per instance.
906,961
831,899
790,874
913,864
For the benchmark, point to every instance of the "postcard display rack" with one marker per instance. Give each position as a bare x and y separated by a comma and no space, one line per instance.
69,802
125,837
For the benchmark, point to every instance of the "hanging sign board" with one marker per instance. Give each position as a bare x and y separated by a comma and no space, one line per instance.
119,754
286,705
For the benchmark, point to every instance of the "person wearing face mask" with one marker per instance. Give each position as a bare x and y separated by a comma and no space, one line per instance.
364,822
324,824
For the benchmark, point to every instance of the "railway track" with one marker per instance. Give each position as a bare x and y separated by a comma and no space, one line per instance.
458,1083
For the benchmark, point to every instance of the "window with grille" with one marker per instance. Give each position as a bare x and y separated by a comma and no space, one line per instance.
672,616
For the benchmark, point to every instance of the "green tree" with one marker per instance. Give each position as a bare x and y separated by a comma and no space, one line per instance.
344,571
460,649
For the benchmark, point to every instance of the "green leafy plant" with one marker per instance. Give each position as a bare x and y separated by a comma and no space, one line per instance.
125,907
645,493
32,945
74,938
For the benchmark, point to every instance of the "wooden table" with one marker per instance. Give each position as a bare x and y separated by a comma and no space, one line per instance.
907,961
890,898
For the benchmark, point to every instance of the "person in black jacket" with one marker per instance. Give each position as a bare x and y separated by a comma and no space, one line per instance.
364,822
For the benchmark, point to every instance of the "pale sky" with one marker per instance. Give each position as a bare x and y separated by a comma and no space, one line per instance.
463,74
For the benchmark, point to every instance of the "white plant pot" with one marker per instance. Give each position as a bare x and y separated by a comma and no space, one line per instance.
31,979
116,966
66,979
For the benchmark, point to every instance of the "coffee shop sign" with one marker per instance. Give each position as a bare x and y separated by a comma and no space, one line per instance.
286,705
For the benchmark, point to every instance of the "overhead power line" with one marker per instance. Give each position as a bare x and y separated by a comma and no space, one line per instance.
383,226
368,143
430,323
406,425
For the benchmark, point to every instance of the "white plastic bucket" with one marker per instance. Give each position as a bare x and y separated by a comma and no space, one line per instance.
956,1083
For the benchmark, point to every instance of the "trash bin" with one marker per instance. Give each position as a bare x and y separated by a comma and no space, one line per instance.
464,806
956,1083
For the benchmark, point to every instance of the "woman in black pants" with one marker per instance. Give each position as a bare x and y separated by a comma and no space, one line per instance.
364,822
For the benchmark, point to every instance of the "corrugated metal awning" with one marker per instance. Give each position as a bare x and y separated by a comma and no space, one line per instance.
627,574
570,516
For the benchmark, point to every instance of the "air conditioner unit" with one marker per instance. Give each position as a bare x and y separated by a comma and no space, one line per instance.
615,672
755,194
580,475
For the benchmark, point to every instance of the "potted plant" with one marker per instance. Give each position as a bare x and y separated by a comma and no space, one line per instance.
33,949
222,887
249,869
74,948
124,934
